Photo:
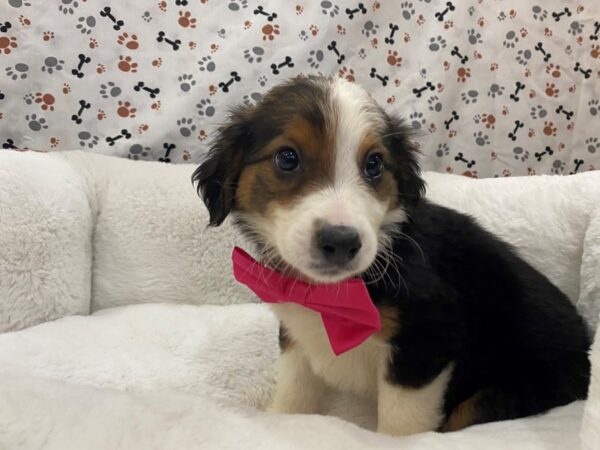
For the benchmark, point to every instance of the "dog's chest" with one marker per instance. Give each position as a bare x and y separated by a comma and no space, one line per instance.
354,370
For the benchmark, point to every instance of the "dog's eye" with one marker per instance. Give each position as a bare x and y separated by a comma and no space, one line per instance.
286,159
374,165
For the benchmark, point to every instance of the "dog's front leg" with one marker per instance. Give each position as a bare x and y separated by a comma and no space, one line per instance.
409,410
298,389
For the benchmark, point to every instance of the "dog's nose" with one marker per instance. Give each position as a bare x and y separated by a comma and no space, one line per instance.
338,244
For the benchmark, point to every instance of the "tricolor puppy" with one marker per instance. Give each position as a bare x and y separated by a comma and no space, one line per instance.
327,185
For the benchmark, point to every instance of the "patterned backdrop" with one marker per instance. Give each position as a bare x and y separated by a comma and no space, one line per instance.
492,87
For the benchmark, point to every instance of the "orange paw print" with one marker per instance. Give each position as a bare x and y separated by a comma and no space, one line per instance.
524,32
24,21
7,44
420,19
341,30
66,88
48,35
212,89
126,110
214,48
131,42
157,62
595,52
93,43
46,101
393,59
247,25
126,64
462,74
101,115
202,135
494,67
314,30
101,68
481,21
347,74
406,37
551,90
391,100
54,142
553,70
186,155
156,105
162,5
549,128
489,120
270,32
192,45
143,128
186,20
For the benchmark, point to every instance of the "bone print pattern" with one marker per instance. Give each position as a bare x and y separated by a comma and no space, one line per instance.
491,88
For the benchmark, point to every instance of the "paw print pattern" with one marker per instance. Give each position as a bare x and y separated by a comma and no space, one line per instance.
594,106
329,8
206,108
18,72
52,64
558,167
407,10
538,112
593,145
481,139
186,127
138,151
126,64
520,154
35,123
539,13
315,58
436,43
495,90
442,150
186,82
549,128
473,36
86,24
369,28
417,121
576,28
110,89
434,103
469,97
87,139
253,55
237,5
523,57
551,90
206,63
511,39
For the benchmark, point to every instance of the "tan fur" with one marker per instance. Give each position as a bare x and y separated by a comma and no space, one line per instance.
464,415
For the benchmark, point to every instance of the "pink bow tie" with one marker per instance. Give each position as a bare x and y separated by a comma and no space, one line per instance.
349,316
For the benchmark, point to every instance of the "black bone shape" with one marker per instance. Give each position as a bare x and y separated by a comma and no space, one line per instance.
124,134
333,47
142,86
586,73
181,2
454,117
578,163
5,26
359,8
568,114
9,144
2,96
224,85
168,147
594,35
440,15
558,15
82,60
518,87
540,48
107,12
419,91
162,37
548,151
513,134
261,10
83,105
390,39
384,79
456,52
286,63
460,157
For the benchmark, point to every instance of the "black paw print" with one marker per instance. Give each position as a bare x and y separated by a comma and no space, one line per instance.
539,13
369,28
469,96
109,89
206,63
520,154
330,8
434,103
19,71
442,150
36,123
52,64
495,90
254,55
417,120
435,43
510,39
315,58
594,105
205,108
481,139
87,139
592,145
138,151
474,37
186,82
407,10
186,126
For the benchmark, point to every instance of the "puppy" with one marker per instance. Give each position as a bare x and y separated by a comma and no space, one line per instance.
327,185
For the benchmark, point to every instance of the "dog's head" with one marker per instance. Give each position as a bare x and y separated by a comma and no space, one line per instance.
317,174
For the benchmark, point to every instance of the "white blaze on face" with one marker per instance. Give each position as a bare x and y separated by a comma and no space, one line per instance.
347,200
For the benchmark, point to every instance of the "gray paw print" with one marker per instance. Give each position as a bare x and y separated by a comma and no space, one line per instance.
362,53
18,3
521,154
255,54
86,24
262,80
68,6
52,64
538,112
186,127
434,103
558,167
303,35
474,37
501,16
471,10
481,139
236,5
369,28
28,99
575,28
205,108
315,58
477,118
252,99
417,120
442,150
206,63
36,123
20,70
495,90
86,139
594,105
221,33
539,13
435,43
407,10
523,57
469,96
592,144
147,18
110,89
328,7
510,39
186,82
138,151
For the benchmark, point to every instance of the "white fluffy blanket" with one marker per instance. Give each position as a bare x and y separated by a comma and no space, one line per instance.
82,233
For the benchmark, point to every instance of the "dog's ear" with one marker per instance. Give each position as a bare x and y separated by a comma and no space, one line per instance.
217,177
407,170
